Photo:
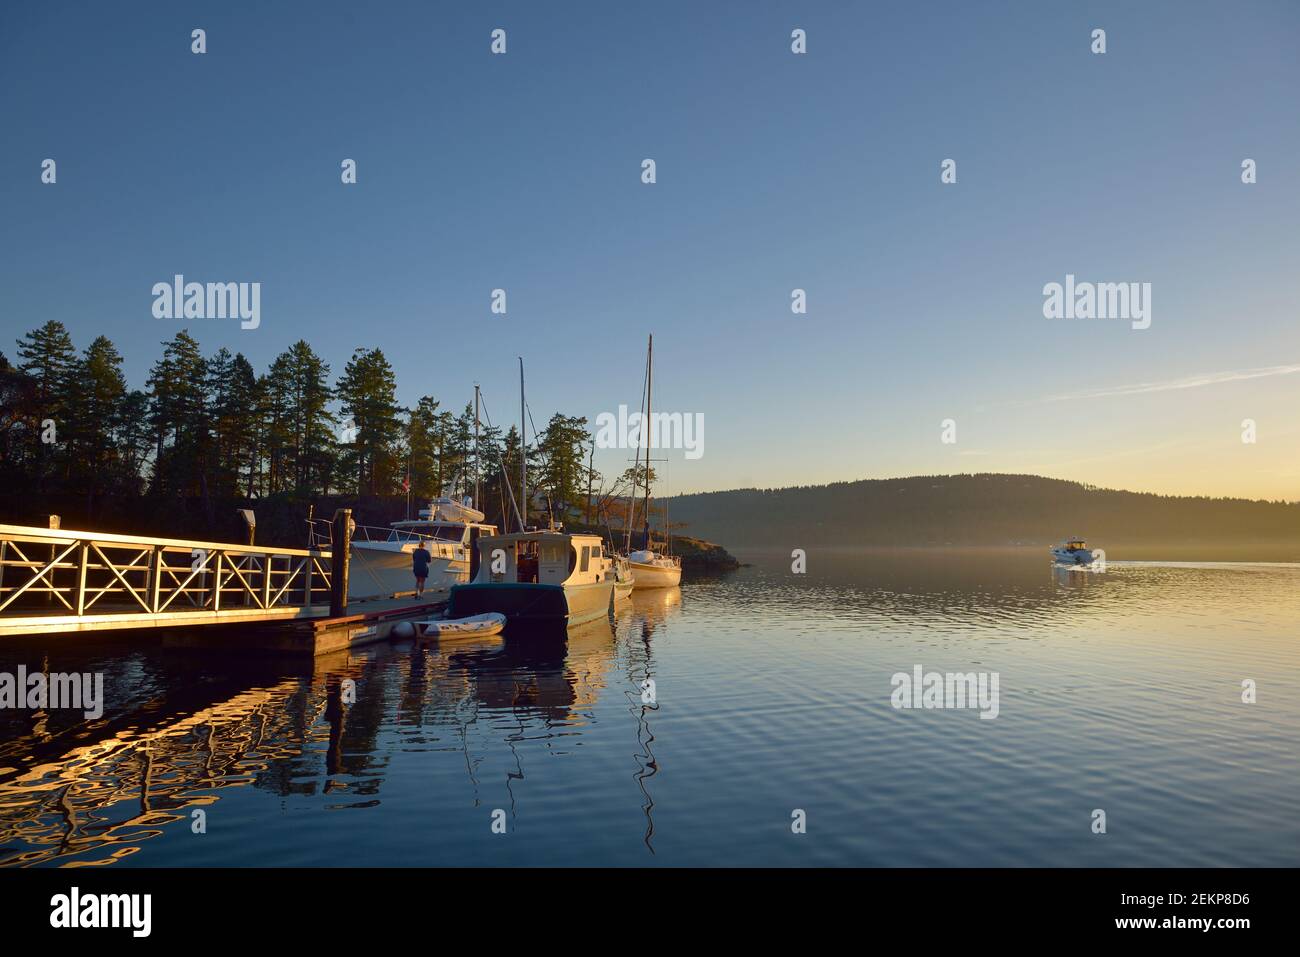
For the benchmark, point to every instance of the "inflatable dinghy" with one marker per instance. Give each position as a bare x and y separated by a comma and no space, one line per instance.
475,626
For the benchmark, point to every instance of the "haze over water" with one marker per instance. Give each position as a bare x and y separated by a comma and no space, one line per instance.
1119,691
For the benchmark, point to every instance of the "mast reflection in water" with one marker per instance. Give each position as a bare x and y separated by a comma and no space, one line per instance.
336,734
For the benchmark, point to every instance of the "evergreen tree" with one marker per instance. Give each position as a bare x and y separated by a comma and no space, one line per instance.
18,416
304,426
132,439
232,407
96,405
277,426
178,414
501,488
562,454
48,359
370,429
47,355
457,461
424,439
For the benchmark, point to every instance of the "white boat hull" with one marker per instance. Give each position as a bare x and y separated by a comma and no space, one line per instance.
384,568
1063,556
654,576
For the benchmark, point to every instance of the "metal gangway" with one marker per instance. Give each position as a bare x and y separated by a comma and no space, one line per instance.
58,580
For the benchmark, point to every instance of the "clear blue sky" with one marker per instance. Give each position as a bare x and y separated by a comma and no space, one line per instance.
775,171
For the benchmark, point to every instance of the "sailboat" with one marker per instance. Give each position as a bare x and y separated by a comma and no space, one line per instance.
651,568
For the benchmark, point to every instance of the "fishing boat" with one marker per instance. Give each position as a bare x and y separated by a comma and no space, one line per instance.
538,577
1073,551
381,557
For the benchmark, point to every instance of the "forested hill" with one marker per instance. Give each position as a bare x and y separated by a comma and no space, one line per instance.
987,509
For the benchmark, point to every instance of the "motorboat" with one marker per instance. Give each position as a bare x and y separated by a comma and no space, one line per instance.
538,577
381,557
1073,551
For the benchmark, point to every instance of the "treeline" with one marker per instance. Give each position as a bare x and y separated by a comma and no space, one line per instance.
982,509
210,430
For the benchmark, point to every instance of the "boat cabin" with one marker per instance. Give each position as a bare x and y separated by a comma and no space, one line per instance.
543,558
446,533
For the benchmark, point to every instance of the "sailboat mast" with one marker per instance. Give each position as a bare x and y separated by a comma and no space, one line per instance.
476,458
668,529
523,454
649,389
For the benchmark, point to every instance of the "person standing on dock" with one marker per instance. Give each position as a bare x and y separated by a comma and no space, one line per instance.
420,559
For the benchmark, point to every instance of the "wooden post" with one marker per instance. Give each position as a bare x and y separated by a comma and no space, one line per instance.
216,589
340,550
155,579
250,522
81,578
266,580
54,572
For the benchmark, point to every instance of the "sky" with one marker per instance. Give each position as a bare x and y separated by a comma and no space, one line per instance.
775,171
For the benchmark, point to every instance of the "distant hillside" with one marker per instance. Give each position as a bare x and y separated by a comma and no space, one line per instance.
984,509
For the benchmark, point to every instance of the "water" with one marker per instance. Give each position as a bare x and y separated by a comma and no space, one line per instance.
1118,691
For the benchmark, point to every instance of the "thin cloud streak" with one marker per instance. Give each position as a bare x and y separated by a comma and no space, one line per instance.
1170,385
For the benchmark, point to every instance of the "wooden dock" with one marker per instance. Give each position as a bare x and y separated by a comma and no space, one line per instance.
59,581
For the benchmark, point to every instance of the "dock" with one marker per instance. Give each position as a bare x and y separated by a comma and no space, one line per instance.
57,581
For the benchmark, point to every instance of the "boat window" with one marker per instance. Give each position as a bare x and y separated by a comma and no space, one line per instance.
595,551
586,558
442,533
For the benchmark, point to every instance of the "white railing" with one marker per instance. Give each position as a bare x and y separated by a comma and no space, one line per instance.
320,533
92,574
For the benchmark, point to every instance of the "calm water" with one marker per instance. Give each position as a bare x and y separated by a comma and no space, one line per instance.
1119,691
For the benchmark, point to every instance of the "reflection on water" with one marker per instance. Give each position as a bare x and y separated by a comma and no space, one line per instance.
687,728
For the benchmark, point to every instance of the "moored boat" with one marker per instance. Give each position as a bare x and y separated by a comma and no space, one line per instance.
381,557
475,626
622,577
538,577
652,569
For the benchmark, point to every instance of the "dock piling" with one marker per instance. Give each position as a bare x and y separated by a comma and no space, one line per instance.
340,550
